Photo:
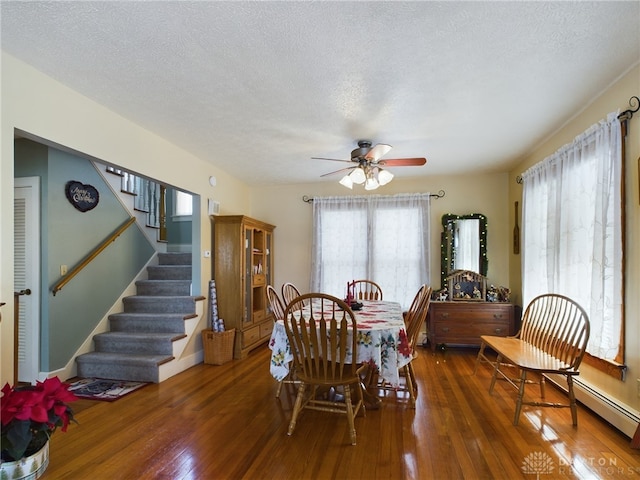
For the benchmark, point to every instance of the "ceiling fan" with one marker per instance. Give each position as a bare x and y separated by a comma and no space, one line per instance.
368,161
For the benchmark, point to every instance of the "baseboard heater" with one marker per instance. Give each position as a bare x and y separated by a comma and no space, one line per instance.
621,416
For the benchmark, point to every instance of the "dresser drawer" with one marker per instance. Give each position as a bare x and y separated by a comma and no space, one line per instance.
462,323
469,314
475,329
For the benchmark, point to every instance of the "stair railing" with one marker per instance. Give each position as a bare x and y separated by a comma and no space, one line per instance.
75,270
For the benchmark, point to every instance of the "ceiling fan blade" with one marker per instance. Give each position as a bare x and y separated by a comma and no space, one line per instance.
403,162
338,171
331,159
377,152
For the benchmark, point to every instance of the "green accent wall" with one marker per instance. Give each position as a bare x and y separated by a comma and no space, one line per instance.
67,237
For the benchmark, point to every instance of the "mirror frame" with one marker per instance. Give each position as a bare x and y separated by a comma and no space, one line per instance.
446,264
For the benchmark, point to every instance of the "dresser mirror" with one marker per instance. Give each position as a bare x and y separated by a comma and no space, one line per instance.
463,244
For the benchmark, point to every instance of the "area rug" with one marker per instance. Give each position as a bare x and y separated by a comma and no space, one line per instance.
105,390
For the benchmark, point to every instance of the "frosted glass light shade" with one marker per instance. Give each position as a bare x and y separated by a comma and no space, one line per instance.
384,177
346,181
358,176
371,183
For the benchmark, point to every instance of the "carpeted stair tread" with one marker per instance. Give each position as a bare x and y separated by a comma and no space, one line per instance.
159,303
128,359
148,322
142,337
164,287
169,272
175,258
144,343
118,366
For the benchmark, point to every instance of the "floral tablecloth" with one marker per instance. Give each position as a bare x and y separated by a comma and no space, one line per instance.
382,341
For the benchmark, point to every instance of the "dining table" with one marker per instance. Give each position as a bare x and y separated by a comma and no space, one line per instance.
382,342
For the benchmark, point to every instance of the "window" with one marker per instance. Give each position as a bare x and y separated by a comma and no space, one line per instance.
182,205
380,238
572,232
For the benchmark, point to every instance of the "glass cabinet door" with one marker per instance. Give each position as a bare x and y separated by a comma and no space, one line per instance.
248,264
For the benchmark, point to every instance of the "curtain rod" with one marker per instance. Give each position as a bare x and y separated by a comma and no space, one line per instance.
623,117
440,194
628,114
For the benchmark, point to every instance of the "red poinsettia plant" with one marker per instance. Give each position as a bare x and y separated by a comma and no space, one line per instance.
31,414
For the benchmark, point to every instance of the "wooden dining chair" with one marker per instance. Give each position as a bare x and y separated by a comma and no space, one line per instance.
289,292
414,320
278,314
275,303
324,342
365,290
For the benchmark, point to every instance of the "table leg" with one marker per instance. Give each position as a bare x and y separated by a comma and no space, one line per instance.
370,387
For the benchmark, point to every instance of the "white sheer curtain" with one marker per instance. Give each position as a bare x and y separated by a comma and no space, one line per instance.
572,232
380,238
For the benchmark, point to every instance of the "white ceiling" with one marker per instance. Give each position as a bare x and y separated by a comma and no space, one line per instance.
258,88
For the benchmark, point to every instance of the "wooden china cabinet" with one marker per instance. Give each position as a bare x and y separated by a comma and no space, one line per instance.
242,269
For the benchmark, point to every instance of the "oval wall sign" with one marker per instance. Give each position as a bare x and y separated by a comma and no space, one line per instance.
83,197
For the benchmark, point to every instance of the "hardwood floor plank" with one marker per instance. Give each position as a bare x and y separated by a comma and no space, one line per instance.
224,422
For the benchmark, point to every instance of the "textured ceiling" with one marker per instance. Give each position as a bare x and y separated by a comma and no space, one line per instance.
258,88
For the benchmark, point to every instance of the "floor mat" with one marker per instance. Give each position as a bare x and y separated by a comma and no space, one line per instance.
102,389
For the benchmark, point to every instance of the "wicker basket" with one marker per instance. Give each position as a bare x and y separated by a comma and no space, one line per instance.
218,346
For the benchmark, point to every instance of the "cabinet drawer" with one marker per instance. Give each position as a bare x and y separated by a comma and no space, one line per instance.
259,279
250,336
259,315
266,329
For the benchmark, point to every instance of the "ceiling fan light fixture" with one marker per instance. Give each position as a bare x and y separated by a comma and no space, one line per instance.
346,181
384,177
358,175
372,181
371,184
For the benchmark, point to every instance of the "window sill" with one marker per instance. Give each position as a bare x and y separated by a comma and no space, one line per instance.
616,370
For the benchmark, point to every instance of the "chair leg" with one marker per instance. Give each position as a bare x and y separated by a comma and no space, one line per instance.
572,401
413,379
349,405
297,407
409,385
523,381
279,388
480,355
495,373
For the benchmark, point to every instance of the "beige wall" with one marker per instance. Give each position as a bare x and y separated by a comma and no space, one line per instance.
36,104
616,97
487,194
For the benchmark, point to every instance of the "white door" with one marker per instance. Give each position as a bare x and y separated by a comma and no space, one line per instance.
27,275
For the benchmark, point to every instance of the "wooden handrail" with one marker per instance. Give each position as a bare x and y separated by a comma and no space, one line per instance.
75,270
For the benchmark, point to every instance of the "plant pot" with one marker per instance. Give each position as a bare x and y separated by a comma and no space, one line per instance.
27,468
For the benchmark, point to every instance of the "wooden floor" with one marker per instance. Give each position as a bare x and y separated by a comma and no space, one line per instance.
224,422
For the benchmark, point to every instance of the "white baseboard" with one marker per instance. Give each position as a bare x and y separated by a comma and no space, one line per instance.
618,414
621,416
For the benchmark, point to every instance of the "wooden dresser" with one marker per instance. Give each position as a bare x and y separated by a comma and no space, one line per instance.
461,323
